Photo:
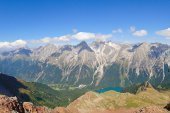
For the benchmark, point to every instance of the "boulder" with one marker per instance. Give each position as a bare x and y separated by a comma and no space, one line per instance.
10,104
152,109
167,107
28,107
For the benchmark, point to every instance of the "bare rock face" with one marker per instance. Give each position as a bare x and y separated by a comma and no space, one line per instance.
30,108
10,104
41,109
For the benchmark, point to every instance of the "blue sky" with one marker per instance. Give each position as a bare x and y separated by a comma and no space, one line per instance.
117,20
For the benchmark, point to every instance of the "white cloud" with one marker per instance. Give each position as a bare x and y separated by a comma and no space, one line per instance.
117,31
17,43
102,36
61,39
76,36
65,38
12,45
165,33
138,33
88,36
84,36
45,40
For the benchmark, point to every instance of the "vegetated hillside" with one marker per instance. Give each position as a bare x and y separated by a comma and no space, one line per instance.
37,93
136,88
110,101
103,64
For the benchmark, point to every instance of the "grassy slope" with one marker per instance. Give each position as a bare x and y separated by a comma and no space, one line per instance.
41,94
115,100
38,93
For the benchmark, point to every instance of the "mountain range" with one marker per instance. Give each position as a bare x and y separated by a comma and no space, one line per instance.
98,64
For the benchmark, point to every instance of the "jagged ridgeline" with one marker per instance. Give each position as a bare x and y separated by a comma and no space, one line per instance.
101,64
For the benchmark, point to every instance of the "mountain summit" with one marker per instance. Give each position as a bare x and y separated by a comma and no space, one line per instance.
83,46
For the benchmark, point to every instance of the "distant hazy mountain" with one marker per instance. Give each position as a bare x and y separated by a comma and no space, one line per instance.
99,64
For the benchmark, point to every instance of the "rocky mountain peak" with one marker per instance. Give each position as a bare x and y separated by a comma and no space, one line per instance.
50,46
144,44
19,51
140,45
83,46
24,51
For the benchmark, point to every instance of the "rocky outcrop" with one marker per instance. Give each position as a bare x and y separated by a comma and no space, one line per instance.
152,109
167,107
30,108
41,109
10,104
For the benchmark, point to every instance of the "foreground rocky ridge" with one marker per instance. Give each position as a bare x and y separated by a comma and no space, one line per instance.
9,104
88,103
12,105
99,64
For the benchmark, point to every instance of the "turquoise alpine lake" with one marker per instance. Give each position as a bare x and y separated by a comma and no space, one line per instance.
117,89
